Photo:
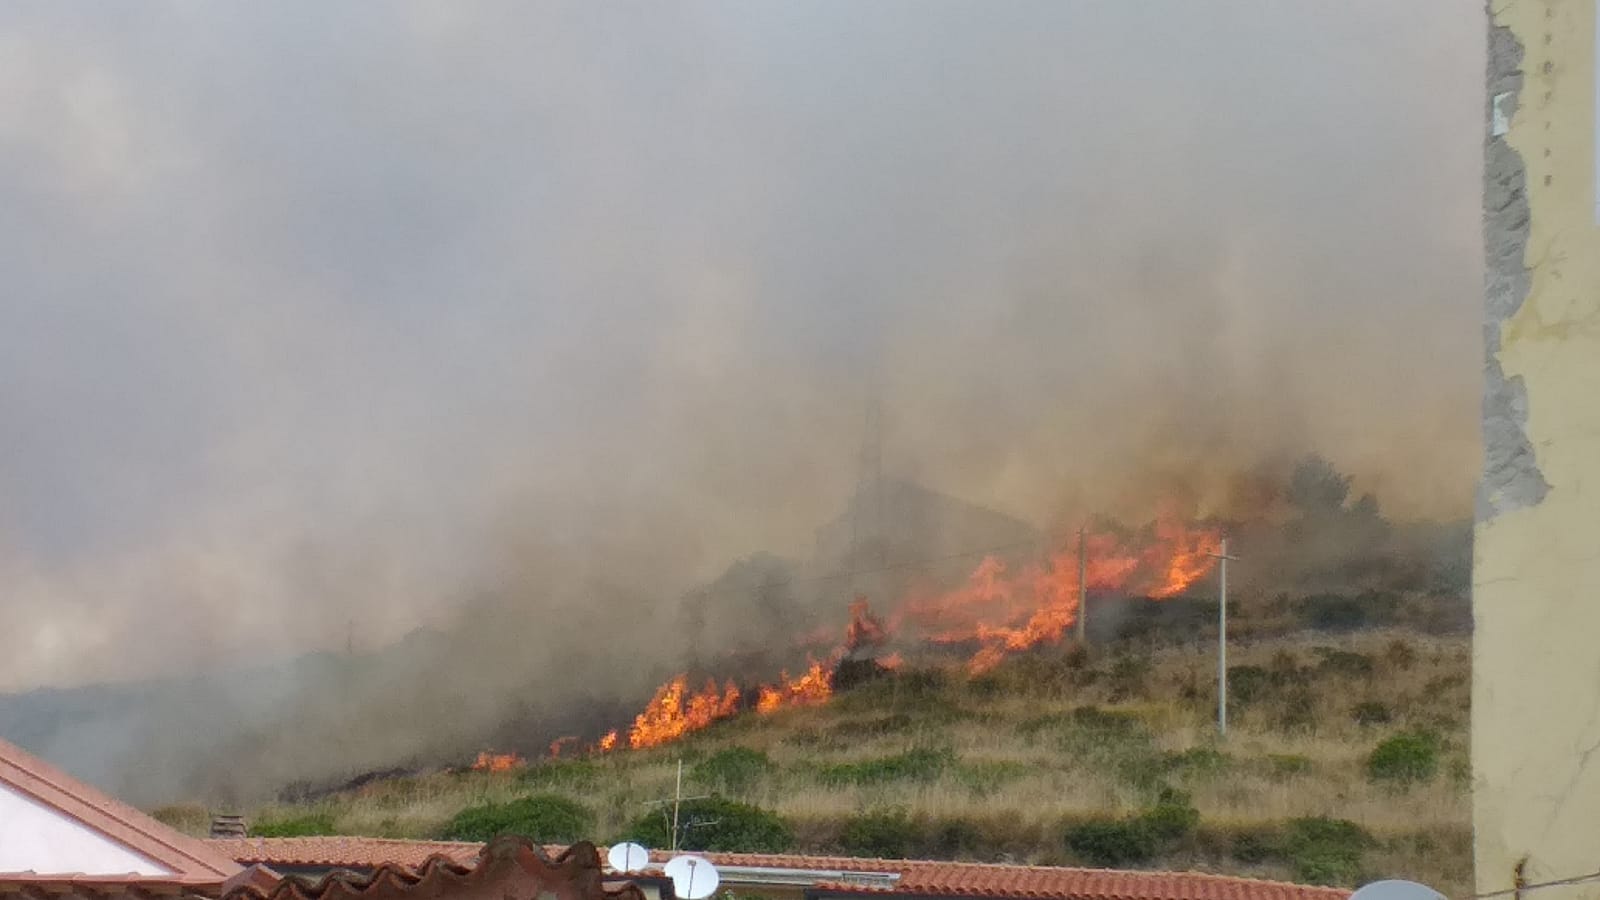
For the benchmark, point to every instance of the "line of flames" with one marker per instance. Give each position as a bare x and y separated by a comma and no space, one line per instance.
1001,611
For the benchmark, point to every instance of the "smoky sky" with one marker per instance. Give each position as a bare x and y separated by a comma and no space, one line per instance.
322,319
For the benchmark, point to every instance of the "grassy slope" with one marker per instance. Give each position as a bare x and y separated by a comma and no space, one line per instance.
999,767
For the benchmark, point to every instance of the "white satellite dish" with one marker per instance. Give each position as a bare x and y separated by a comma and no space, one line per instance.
1396,889
693,878
628,857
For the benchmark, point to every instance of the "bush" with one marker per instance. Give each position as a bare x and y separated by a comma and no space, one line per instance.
1286,765
919,763
1202,761
885,835
716,824
570,773
311,825
1325,851
1247,684
1370,712
733,769
1343,662
986,775
547,818
1172,817
1332,612
1128,675
1405,758
1400,654
1112,843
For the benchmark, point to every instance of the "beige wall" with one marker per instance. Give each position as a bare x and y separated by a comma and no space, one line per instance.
1536,672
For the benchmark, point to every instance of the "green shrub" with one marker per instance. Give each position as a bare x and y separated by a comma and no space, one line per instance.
916,764
1344,662
734,769
1128,677
881,834
1199,761
310,825
548,818
1400,654
1286,765
1325,851
1112,843
716,824
1371,712
1285,669
1247,684
570,773
1173,816
1405,758
1254,845
1332,612
986,775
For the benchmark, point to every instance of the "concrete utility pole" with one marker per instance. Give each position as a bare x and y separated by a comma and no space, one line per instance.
1222,638
1083,588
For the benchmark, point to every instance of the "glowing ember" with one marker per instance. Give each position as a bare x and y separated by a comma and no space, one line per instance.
497,762
675,711
810,689
570,740
892,661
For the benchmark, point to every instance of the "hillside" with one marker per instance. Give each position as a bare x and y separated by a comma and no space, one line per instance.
1106,758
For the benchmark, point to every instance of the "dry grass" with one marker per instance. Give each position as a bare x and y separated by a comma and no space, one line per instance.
1016,757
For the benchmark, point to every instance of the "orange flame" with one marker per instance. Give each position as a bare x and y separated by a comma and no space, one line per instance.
1005,613
1001,611
675,711
558,743
810,689
497,762
865,629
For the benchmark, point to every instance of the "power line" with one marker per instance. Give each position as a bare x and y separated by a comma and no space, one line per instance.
1560,882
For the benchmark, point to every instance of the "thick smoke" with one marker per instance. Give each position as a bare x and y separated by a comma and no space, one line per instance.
518,323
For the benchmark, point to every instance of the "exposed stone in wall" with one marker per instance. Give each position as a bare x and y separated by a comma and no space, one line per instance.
1511,476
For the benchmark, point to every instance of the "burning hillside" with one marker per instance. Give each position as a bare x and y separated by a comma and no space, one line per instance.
999,609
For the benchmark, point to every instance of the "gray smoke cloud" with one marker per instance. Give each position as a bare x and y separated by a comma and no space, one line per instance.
323,324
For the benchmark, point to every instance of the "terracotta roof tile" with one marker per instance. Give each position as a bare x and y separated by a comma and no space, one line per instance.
916,878
342,852
191,861
507,867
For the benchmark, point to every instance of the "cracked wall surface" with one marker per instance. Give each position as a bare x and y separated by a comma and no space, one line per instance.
1536,578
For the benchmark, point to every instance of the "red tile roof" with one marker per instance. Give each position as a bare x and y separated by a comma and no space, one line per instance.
191,861
342,852
508,868
916,878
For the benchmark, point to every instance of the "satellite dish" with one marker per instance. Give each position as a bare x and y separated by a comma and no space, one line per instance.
628,857
1396,890
693,878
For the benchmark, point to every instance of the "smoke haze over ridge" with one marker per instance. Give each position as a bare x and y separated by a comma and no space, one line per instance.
317,316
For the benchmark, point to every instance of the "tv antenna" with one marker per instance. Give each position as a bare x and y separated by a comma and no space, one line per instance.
677,800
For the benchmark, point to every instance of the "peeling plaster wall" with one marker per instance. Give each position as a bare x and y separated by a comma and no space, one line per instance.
1536,594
